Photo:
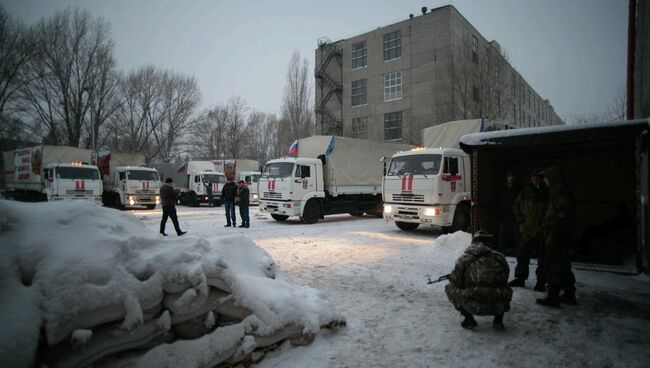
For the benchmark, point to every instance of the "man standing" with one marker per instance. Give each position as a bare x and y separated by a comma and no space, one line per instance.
478,285
168,201
228,194
508,232
208,190
244,203
529,210
558,226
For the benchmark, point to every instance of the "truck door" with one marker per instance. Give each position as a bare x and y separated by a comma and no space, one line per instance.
198,186
303,181
451,178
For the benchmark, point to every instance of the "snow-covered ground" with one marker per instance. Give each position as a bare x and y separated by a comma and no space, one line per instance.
376,275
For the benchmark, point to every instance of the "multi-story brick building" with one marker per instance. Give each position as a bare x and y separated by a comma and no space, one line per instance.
390,83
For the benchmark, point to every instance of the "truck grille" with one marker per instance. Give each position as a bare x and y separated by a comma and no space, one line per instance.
408,197
272,195
144,191
79,191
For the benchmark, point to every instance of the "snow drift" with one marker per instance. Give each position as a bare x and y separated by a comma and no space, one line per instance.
98,283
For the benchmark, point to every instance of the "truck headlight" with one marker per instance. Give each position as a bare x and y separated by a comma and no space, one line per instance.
131,201
157,200
254,196
388,209
432,211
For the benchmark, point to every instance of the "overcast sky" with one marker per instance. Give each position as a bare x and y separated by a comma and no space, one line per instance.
571,52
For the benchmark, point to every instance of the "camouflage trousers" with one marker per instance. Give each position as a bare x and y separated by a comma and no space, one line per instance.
480,300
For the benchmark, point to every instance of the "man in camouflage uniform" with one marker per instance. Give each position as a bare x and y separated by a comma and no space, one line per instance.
558,225
479,283
529,210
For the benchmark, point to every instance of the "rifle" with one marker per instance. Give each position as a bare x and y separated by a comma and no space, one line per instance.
441,278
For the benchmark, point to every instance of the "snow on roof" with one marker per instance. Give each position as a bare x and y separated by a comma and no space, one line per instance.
477,139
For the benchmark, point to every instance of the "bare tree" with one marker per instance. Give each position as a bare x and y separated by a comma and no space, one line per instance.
297,107
157,108
235,127
618,108
16,48
262,136
69,77
207,138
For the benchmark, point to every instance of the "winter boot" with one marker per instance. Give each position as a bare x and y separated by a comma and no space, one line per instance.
552,300
539,286
497,323
568,298
517,283
469,322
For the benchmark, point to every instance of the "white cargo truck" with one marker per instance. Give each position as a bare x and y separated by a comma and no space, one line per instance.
432,186
51,173
329,175
127,181
193,178
241,169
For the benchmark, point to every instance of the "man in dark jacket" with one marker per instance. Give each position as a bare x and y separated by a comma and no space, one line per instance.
168,197
529,210
228,194
479,283
244,202
558,225
508,231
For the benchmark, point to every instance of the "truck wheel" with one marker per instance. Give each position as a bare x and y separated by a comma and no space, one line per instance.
356,214
406,226
279,218
151,206
462,219
311,213
117,202
192,201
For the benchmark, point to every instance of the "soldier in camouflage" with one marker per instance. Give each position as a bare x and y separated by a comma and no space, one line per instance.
529,210
558,225
478,285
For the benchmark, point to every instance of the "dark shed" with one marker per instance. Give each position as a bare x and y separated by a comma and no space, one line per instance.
606,169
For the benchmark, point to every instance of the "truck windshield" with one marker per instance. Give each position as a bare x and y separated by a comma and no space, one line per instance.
142,175
416,164
278,170
255,178
213,178
63,172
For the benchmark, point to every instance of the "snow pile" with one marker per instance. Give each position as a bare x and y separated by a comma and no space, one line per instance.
100,283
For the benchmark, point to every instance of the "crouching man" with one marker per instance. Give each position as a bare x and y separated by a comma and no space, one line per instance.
478,285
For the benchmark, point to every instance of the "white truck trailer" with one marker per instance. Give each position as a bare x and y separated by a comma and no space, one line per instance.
432,186
127,181
329,175
51,173
193,178
242,169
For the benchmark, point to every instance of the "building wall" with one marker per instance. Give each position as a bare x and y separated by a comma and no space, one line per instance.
429,52
641,67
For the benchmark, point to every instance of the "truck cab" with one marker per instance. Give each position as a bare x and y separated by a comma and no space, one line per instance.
198,183
251,178
135,186
72,181
428,186
286,186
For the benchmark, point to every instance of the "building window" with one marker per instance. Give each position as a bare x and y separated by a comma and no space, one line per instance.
392,45
360,128
393,126
359,92
359,55
392,86
474,49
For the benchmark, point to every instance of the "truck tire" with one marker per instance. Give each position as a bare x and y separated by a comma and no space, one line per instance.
406,226
462,218
279,218
356,214
192,200
117,202
311,213
151,206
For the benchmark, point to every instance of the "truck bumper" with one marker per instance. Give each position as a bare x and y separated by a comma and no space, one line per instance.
94,199
436,215
141,199
279,208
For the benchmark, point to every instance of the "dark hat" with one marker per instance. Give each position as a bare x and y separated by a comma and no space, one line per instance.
482,236
241,182
536,172
169,180
510,173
